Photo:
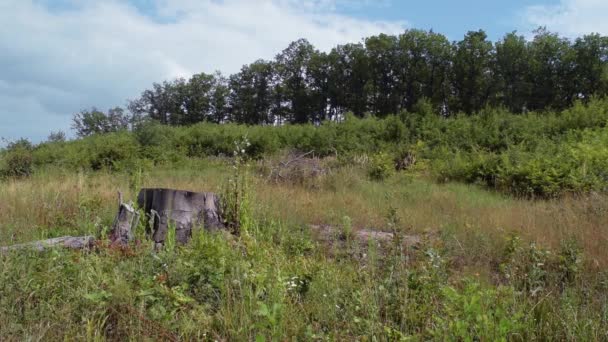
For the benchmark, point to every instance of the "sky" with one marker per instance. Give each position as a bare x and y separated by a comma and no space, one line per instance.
60,56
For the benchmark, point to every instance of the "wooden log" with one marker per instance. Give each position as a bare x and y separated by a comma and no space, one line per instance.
70,242
184,210
329,234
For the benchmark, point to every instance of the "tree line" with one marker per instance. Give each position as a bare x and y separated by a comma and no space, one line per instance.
382,75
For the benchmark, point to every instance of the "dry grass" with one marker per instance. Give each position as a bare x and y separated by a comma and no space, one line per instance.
478,220
467,226
471,213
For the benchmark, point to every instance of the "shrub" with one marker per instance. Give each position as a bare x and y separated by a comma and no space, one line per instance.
158,142
18,159
111,151
381,166
534,155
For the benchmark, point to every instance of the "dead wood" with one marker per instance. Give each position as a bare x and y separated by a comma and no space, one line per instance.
70,242
299,169
125,223
406,161
184,210
286,163
330,234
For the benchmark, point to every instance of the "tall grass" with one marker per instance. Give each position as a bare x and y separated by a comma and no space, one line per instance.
275,282
488,266
53,203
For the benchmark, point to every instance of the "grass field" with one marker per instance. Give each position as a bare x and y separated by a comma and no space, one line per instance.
489,267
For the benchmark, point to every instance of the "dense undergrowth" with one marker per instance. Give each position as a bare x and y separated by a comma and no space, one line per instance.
536,154
274,282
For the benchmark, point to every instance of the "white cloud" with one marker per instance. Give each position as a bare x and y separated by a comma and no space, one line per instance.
571,18
55,62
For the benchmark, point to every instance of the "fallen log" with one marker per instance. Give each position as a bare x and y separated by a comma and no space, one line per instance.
331,234
70,242
184,210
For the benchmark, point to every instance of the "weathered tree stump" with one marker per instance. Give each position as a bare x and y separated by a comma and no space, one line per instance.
125,223
184,210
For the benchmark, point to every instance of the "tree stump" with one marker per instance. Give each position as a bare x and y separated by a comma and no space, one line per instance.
181,209
125,223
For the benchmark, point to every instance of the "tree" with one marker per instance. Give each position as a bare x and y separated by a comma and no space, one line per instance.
423,60
318,71
250,95
292,69
591,68
219,99
552,65
183,102
196,101
512,72
472,73
388,74
348,76
382,54
56,136
154,103
89,122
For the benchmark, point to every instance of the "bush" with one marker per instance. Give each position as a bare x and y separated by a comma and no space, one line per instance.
533,155
381,166
159,143
111,151
18,159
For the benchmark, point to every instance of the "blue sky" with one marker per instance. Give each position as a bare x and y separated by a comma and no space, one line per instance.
60,56
455,18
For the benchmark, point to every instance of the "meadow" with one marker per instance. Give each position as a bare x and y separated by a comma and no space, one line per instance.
498,226
489,265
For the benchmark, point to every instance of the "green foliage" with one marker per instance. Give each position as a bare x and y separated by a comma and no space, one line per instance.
235,195
534,269
89,122
415,71
570,261
56,136
347,228
381,166
158,142
533,155
17,159
477,313
527,267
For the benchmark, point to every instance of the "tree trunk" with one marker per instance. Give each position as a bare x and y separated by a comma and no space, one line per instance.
124,225
183,210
